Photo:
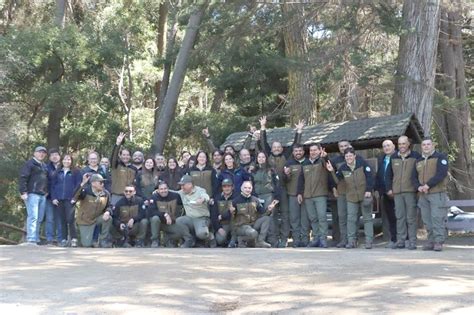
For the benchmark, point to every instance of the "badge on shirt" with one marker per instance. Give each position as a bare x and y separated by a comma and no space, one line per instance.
367,169
444,162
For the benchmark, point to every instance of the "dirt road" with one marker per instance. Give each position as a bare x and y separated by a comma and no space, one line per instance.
141,281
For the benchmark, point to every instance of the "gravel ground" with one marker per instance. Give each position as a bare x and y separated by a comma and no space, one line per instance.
51,280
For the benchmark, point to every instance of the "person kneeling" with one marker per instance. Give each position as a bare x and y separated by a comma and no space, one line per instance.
129,217
162,213
250,221
94,209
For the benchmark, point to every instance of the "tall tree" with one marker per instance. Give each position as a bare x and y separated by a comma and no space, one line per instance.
56,110
415,77
453,117
301,92
168,108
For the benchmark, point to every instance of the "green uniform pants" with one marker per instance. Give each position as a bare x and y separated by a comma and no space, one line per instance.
87,231
353,215
172,232
298,220
342,215
138,230
281,217
257,231
434,213
316,208
406,213
222,239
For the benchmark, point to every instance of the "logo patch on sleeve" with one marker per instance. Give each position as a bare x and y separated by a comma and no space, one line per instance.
444,162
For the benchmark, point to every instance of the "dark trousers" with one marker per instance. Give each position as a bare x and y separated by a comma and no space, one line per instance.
388,207
66,212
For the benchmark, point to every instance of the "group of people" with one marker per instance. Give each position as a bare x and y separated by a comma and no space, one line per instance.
234,198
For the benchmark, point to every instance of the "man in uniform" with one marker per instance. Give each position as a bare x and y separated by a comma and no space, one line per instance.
298,216
277,158
430,177
313,190
400,186
129,217
220,215
94,210
164,209
250,220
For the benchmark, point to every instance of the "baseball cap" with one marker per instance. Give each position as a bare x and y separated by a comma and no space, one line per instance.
227,182
40,148
186,179
96,178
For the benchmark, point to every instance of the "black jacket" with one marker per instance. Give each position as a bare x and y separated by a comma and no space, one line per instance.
381,176
33,178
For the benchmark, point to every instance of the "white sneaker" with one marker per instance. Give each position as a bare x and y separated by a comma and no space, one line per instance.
32,244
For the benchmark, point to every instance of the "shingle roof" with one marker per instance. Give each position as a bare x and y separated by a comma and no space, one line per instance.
362,133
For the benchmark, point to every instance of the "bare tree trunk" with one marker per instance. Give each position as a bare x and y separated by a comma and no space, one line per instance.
163,84
126,96
61,13
414,81
56,111
168,108
301,93
453,118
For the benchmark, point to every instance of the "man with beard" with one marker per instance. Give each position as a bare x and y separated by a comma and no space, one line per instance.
137,160
277,158
160,165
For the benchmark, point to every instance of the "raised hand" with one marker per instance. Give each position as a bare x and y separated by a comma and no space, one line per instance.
263,122
299,126
205,132
120,138
329,166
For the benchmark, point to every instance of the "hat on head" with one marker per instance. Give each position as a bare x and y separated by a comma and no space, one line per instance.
186,179
227,182
96,178
40,148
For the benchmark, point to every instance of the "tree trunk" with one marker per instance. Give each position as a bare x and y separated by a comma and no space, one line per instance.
168,108
56,111
219,97
160,91
414,80
160,45
453,117
61,13
301,93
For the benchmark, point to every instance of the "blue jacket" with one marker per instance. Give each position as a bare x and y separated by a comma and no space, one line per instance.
64,184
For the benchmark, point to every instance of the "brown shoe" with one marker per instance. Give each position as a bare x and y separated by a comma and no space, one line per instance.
428,246
438,247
